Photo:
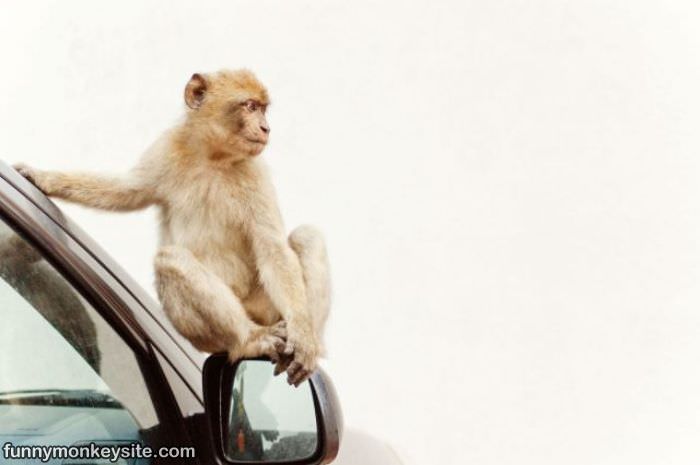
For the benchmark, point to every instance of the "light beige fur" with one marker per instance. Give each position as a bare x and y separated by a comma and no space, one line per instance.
226,274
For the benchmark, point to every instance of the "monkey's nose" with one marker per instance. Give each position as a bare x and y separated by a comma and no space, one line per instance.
265,128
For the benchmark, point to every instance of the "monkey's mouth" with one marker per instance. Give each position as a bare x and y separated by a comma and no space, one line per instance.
256,141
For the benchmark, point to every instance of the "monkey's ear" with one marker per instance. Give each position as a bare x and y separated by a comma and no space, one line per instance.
195,91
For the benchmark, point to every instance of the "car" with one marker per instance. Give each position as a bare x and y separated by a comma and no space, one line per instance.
89,362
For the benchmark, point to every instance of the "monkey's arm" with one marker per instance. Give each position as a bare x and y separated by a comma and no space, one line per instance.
129,192
281,275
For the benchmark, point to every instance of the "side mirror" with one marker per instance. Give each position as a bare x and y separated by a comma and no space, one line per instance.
256,417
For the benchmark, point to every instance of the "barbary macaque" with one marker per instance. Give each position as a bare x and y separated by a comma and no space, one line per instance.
226,274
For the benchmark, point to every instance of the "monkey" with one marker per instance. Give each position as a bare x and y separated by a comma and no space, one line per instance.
226,274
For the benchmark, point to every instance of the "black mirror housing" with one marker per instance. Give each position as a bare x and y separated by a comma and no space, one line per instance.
218,379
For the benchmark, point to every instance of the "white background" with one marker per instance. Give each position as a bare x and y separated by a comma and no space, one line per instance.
509,189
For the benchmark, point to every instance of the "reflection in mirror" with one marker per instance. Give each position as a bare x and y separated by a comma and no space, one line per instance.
269,420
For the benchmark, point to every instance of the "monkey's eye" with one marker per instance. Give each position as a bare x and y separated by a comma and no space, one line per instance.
251,105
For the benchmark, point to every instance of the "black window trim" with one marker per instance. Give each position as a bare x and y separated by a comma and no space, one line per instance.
68,258
54,236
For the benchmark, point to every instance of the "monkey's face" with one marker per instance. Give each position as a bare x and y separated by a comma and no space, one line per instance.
228,113
247,125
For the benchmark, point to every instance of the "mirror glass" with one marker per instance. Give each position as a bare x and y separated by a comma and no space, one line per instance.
269,420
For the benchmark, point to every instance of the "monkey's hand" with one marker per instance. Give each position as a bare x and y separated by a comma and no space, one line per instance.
37,177
265,340
300,354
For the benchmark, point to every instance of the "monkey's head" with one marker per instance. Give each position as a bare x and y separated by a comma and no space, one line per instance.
227,113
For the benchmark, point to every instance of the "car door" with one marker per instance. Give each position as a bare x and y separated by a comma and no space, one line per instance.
76,364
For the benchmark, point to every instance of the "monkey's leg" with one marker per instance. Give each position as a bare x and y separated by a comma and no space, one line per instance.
307,242
207,312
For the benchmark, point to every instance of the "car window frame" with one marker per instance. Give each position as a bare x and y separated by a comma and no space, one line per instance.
107,297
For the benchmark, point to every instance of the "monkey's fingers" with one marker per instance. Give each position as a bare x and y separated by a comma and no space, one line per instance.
299,377
293,369
280,347
283,364
266,341
306,376
302,367
25,170
288,348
